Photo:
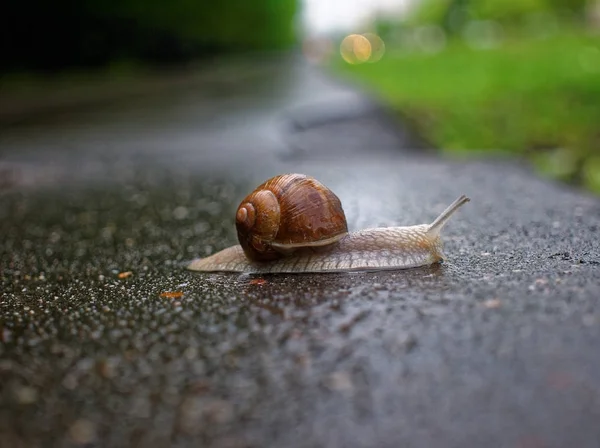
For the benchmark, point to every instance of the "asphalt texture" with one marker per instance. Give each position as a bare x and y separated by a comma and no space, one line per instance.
106,339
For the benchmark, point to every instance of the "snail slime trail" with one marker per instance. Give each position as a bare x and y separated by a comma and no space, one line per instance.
294,224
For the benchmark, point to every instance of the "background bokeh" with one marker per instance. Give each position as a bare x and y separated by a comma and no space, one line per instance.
494,77
485,77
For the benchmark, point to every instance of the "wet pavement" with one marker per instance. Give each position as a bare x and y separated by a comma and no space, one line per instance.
106,340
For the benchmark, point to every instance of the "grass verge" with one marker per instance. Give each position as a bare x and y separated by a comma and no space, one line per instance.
534,97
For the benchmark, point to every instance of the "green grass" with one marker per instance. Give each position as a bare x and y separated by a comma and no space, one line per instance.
533,97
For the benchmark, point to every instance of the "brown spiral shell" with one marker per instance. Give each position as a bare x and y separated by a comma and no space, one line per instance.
288,212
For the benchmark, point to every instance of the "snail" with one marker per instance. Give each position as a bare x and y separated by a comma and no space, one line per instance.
294,224
286,213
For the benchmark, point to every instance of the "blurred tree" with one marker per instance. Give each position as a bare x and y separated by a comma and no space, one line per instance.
577,7
453,14
44,35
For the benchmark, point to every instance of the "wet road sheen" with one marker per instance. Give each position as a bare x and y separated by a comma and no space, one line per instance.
106,339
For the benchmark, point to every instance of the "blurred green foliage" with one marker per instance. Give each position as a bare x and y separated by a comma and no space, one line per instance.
53,35
503,76
538,98
452,15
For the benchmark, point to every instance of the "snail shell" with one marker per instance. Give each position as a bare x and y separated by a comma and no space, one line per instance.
294,251
287,213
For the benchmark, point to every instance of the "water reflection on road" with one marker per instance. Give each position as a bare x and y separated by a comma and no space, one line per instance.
236,110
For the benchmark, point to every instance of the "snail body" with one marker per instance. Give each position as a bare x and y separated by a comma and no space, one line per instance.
369,249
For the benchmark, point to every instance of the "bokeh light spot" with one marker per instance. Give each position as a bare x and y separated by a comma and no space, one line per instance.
355,49
377,46
360,48
429,39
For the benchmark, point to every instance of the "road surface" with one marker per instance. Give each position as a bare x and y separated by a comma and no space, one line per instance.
105,340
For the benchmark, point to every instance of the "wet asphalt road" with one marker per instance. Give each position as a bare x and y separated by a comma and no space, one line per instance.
107,341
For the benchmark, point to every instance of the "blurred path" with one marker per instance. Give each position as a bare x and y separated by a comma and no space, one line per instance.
212,116
106,341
